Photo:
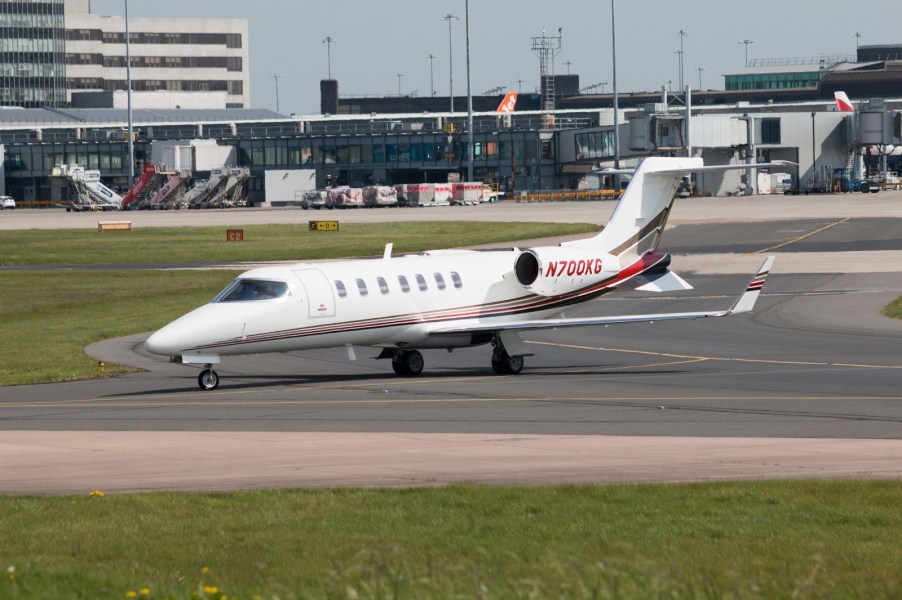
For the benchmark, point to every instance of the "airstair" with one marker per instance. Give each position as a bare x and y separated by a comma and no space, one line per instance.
137,193
86,191
225,188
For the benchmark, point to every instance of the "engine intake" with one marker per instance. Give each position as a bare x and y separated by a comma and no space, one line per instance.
559,270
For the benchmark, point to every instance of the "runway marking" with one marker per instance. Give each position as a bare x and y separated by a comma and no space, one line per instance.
657,400
802,237
691,358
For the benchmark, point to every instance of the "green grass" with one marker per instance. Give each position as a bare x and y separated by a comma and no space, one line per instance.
261,242
893,310
717,540
50,316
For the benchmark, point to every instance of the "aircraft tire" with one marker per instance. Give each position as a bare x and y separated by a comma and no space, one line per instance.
208,380
503,364
398,367
408,363
413,363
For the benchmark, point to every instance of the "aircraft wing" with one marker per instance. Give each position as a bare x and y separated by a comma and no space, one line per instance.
744,303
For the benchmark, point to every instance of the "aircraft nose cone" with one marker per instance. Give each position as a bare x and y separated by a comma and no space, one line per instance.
165,342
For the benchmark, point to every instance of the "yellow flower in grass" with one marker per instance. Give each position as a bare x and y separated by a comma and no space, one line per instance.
131,594
211,589
145,591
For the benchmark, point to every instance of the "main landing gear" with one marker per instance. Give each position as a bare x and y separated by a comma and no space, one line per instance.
410,363
505,364
208,379
407,363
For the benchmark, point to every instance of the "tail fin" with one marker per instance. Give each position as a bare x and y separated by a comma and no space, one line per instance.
843,104
636,225
507,103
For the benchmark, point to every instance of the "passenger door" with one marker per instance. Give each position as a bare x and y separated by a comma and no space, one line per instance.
320,296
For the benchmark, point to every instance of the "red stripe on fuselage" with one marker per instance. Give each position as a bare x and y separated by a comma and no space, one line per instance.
501,308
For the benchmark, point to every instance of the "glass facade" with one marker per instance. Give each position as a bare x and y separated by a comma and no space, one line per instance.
596,144
32,53
772,81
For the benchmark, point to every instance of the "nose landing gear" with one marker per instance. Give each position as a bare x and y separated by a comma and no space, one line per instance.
208,379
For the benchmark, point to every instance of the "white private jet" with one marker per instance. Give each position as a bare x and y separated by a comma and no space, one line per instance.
447,299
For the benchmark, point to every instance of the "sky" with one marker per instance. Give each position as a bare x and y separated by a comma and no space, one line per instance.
375,40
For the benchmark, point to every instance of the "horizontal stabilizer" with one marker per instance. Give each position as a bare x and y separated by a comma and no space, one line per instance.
665,281
782,164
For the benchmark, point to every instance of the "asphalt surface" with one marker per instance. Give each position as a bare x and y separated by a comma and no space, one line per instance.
807,386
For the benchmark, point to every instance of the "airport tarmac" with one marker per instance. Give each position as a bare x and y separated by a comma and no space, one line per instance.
807,386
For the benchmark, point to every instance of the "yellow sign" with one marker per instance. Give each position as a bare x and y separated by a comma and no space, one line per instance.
323,225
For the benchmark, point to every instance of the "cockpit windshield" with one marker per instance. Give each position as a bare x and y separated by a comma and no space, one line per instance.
247,290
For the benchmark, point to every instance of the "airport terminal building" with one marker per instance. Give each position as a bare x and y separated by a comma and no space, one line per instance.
64,81
525,151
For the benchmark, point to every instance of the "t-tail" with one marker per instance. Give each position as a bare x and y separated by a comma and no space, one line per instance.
637,223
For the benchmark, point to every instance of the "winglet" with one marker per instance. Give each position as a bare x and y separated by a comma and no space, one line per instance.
746,301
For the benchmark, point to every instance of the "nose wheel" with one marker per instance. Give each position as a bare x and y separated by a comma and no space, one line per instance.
208,379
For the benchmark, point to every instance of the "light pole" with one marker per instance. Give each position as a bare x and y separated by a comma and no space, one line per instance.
568,63
276,76
128,93
449,17
519,85
431,58
682,34
616,124
399,76
746,42
328,42
699,69
469,98
857,41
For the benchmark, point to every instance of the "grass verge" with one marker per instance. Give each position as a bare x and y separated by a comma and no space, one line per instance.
715,540
893,310
49,317
261,242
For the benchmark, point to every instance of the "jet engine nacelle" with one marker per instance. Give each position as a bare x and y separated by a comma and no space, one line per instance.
560,270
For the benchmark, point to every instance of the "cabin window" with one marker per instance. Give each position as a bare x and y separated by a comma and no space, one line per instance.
340,287
361,287
456,279
439,281
421,282
248,290
405,287
383,285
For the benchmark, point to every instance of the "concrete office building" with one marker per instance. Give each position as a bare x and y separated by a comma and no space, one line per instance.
32,54
167,54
